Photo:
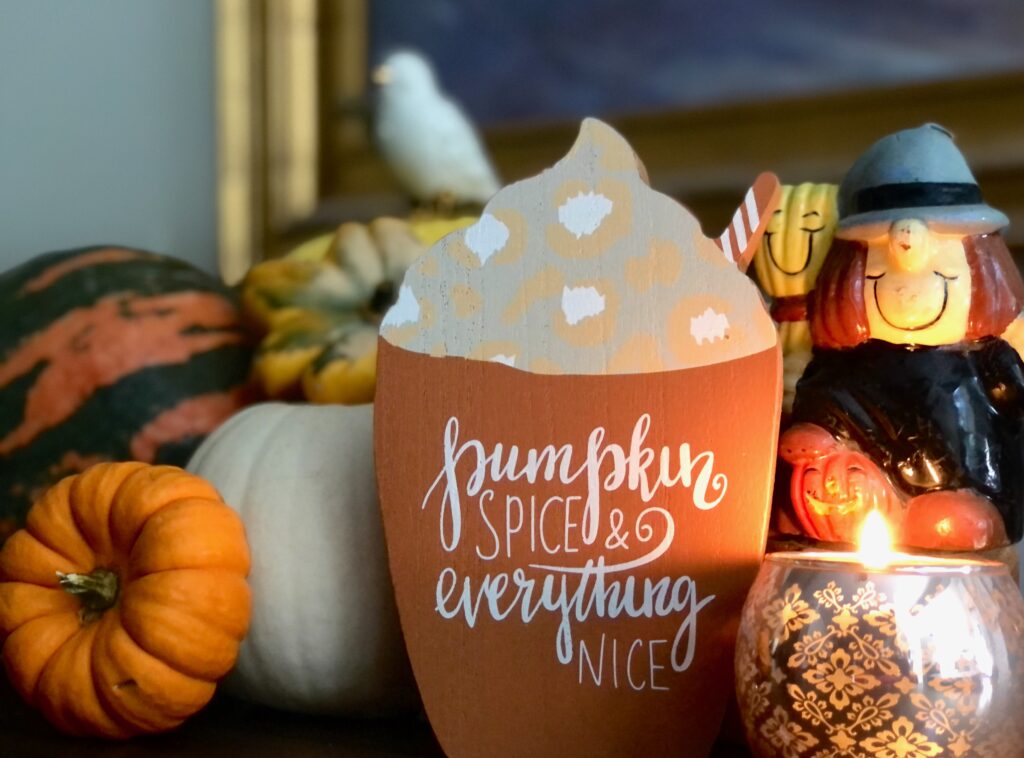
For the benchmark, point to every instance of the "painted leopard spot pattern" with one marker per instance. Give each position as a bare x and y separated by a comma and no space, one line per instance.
583,269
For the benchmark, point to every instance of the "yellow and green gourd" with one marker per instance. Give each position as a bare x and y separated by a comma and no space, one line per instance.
319,308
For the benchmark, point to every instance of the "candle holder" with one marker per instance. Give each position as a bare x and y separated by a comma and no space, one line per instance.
922,657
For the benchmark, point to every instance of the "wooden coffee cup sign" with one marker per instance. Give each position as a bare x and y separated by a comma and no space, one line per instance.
577,408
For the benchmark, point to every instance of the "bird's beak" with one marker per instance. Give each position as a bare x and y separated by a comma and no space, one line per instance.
381,76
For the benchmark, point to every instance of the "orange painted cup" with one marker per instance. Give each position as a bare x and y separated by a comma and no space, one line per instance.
570,554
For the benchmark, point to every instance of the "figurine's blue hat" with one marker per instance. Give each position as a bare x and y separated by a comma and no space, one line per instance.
916,173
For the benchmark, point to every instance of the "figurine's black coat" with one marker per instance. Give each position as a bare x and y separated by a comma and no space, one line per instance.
932,417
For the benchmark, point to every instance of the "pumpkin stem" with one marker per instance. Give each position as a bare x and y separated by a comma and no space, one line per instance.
97,591
383,297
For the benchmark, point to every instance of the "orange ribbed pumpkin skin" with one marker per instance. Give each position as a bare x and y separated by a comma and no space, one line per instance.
182,607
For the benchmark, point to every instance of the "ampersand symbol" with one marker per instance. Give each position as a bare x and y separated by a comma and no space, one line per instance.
617,539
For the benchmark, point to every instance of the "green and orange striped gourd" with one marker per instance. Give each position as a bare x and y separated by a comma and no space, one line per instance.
108,353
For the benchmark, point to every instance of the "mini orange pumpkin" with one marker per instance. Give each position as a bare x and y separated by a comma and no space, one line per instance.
124,599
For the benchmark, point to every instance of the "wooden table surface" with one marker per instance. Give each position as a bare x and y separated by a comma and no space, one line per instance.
232,729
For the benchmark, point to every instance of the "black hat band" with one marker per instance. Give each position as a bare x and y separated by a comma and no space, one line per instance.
916,195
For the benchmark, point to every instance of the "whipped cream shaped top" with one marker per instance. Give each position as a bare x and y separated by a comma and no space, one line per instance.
583,269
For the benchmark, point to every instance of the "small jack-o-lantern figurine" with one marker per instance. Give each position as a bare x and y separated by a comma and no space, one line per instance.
787,262
912,402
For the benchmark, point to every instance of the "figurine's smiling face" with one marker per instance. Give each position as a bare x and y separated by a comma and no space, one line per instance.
796,245
918,285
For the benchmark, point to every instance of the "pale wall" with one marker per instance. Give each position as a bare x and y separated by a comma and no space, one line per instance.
107,126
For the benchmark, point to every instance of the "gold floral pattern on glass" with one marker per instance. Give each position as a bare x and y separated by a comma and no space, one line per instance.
852,664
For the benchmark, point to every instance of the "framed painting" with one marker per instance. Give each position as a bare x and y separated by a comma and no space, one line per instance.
708,95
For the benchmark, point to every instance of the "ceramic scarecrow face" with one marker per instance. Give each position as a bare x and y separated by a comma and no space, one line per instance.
787,262
797,238
917,288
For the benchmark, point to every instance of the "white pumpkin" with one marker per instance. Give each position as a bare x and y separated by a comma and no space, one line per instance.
324,636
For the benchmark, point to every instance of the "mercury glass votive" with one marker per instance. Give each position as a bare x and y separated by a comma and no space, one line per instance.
922,657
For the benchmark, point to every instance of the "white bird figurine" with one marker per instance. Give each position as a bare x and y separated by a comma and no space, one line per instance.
426,138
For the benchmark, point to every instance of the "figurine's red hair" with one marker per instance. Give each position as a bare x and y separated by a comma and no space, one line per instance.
839,318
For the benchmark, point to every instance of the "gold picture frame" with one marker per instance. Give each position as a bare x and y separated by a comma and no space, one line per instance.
295,153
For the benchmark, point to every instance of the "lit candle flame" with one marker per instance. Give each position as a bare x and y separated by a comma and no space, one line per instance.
875,547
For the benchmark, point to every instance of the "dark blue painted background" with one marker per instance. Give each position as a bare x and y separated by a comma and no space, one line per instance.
545,59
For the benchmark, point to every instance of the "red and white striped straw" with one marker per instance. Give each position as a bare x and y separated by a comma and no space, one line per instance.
740,239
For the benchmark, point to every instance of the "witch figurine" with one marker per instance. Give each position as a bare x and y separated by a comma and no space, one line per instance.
912,403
